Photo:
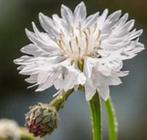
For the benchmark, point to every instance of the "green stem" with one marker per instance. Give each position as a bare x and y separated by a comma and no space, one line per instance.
59,101
95,108
25,135
111,120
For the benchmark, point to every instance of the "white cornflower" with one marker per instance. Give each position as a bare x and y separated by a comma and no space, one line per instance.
9,129
79,50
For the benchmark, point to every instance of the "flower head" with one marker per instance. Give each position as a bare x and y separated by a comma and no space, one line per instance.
41,119
98,42
9,129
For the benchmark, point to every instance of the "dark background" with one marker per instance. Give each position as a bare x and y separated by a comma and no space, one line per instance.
130,98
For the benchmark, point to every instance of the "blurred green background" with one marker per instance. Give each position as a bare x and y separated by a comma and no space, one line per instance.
130,98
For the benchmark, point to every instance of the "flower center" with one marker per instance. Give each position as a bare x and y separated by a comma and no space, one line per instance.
80,43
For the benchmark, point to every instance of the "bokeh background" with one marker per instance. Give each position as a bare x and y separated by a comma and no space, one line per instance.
130,98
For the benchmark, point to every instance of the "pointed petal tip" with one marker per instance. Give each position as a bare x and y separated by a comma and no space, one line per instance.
142,47
82,3
141,31
132,21
88,98
27,31
89,94
40,14
105,99
105,13
37,90
126,14
106,10
62,6
31,86
34,25
22,49
119,10
15,61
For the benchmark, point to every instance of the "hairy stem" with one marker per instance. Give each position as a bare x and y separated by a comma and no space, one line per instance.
111,120
95,108
59,101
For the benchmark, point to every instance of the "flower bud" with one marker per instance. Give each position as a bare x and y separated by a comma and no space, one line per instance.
41,119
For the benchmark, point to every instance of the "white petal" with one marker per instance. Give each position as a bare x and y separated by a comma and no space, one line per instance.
102,18
104,91
81,79
48,25
114,80
90,90
48,81
31,50
80,12
32,79
37,32
69,78
42,44
22,59
115,15
131,50
57,93
135,34
123,19
104,69
42,77
89,63
129,25
123,73
91,20
67,14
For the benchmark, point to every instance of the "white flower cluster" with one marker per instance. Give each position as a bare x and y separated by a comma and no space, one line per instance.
99,42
